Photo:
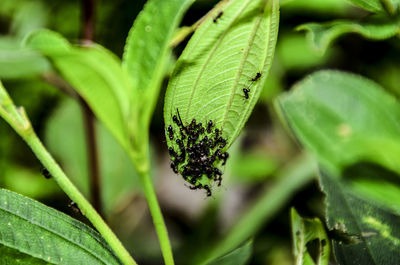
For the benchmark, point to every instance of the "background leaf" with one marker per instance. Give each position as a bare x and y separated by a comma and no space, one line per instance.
147,52
219,61
95,73
48,235
362,232
309,233
239,256
317,110
322,35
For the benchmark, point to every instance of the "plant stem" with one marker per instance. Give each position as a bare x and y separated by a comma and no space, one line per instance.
87,34
74,194
142,165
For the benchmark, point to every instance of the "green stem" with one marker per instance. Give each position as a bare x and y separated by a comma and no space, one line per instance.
69,188
141,163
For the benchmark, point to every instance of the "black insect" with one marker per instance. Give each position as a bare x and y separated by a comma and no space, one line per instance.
246,93
218,16
46,173
210,124
207,188
173,166
258,75
170,132
74,207
176,120
224,157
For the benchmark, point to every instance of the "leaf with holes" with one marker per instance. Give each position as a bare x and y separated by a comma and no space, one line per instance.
220,75
362,232
310,242
31,229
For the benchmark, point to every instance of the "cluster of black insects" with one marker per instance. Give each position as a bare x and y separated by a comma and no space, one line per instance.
199,152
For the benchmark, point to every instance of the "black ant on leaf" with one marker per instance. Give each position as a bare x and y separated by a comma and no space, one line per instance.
218,16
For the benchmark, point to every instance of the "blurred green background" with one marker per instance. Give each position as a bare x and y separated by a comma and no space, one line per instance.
257,156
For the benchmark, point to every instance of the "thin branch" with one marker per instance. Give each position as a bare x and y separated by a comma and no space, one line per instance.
87,35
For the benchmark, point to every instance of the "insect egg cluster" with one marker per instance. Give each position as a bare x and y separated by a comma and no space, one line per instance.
198,152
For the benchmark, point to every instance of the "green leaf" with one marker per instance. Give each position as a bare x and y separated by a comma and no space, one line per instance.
322,35
95,73
377,6
147,52
239,256
308,233
219,61
10,256
362,233
17,62
344,119
48,235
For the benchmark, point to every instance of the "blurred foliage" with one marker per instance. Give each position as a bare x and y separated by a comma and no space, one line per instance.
260,153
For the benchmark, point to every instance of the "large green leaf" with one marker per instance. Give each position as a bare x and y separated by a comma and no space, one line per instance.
95,73
308,234
239,256
221,58
322,35
147,53
362,233
48,235
343,119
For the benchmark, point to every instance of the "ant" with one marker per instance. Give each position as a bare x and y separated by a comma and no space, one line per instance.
246,92
46,173
218,16
170,132
258,75
74,207
209,126
207,188
173,166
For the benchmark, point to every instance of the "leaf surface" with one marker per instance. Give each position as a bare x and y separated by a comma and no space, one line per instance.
48,235
239,256
344,119
363,233
221,58
95,73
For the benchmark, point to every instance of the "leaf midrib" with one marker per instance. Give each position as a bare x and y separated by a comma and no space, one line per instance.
203,67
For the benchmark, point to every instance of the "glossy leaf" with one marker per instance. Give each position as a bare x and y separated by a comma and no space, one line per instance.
309,233
322,35
147,52
95,73
344,119
362,233
221,58
239,256
48,235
